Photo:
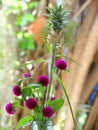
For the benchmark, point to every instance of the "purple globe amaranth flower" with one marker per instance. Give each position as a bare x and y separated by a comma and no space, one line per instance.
16,90
27,75
31,103
61,64
53,98
9,108
48,111
44,80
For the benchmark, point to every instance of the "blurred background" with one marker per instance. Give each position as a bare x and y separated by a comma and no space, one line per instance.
21,22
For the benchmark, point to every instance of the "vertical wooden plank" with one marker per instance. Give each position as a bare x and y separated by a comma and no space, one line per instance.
81,41
86,60
93,116
96,124
92,80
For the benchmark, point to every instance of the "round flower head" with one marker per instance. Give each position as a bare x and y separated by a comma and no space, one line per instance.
48,111
31,103
27,75
9,108
53,98
44,80
61,64
16,90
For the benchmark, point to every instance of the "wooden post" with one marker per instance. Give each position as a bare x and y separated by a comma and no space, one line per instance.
81,42
91,81
93,116
96,124
85,60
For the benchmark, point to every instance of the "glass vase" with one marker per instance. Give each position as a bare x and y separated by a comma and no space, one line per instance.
42,125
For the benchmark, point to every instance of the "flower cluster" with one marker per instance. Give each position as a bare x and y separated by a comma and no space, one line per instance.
32,102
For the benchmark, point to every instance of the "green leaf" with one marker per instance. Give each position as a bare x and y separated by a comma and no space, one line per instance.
26,92
19,82
34,85
32,5
38,116
38,109
36,61
25,19
23,44
15,104
67,70
30,44
25,121
32,62
63,87
56,104
26,41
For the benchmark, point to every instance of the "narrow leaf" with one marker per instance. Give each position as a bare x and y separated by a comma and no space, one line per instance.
66,57
61,84
24,121
19,82
36,61
34,85
67,70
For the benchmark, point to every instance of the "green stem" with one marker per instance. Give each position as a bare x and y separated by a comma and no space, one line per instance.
39,102
64,89
51,72
55,82
27,81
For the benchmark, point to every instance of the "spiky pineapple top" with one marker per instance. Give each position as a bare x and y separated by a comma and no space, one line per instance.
61,27
57,17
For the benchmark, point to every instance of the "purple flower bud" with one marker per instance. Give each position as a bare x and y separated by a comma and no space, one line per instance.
48,111
61,64
27,75
44,80
16,90
31,103
53,98
9,108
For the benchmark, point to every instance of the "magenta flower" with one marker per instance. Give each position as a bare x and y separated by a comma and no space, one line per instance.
9,108
16,90
31,103
27,75
44,80
61,64
48,111
53,98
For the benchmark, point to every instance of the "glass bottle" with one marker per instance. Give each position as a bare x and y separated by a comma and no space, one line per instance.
42,125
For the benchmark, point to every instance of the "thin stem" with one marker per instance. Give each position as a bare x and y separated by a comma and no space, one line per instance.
51,72
27,81
55,83
39,102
